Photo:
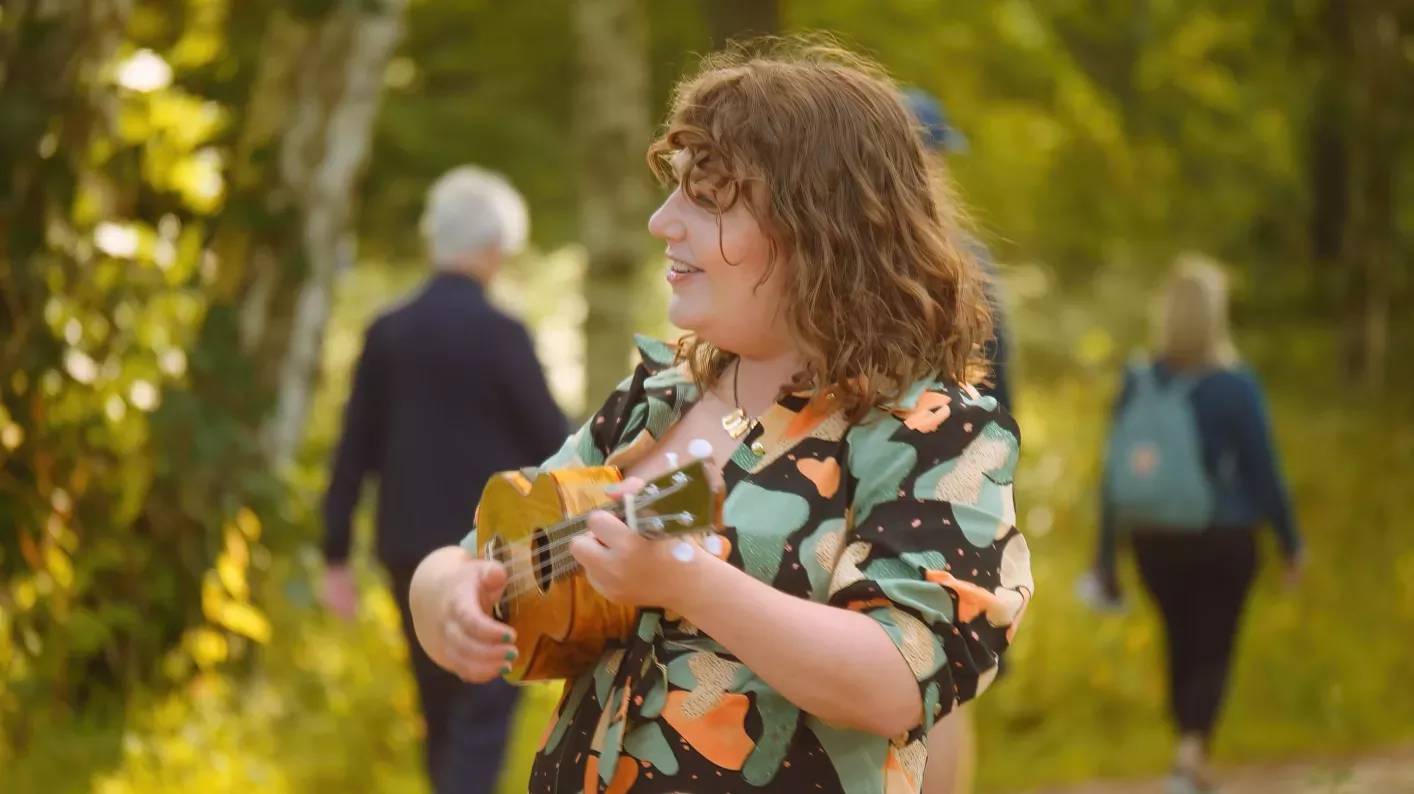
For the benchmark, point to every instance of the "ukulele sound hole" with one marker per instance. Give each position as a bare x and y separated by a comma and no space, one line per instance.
543,555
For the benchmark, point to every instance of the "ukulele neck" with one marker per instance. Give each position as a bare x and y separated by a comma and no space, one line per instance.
680,502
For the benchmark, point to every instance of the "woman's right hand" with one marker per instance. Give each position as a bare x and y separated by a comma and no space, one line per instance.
478,648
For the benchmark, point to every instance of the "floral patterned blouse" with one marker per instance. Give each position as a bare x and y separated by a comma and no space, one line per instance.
907,517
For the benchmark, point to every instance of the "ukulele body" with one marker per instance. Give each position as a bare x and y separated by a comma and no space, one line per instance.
562,623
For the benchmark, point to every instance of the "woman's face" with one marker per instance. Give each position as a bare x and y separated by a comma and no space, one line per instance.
716,263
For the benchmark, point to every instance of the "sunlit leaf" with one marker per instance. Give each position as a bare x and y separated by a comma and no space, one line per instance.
207,647
244,620
25,594
248,523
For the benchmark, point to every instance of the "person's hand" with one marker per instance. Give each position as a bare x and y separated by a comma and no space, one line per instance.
478,647
1109,587
632,570
340,592
1295,570
1100,592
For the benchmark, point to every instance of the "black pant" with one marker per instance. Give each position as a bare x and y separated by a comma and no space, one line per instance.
467,724
1200,583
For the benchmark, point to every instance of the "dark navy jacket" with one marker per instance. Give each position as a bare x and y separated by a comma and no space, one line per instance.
447,392
999,349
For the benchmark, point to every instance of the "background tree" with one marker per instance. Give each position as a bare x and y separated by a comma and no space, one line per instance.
612,130
172,249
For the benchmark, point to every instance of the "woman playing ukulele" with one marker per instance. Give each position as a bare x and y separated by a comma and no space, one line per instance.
868,573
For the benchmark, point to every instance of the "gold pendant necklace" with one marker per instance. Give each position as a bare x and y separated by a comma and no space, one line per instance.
737,423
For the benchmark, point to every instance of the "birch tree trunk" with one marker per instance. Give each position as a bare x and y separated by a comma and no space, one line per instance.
323,153
612,130
304,136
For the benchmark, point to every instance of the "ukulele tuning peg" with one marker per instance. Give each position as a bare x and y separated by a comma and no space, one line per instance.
682,551
700,448
672,459
713,544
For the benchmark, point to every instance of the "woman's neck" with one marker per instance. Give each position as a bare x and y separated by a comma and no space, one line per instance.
757,382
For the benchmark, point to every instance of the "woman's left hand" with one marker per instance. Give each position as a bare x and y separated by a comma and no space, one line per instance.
629,569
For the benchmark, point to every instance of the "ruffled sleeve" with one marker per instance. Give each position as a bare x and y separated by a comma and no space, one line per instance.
934,554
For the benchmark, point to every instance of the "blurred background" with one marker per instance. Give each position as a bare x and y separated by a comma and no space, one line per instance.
206,201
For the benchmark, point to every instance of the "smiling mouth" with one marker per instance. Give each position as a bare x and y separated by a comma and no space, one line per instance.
674,266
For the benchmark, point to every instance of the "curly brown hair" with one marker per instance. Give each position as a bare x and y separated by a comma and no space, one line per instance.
881,289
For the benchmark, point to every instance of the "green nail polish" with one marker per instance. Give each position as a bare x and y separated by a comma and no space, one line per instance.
510,655
506,637
506,670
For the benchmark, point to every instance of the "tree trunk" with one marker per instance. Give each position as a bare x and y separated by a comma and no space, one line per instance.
611,135
1330,157
305,129
739,19
323,154
1377,63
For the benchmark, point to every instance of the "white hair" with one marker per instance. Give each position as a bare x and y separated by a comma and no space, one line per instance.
470,209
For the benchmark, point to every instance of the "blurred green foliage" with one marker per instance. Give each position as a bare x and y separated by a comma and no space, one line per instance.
157,624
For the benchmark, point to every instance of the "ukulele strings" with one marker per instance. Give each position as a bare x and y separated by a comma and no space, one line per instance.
580,525
527,579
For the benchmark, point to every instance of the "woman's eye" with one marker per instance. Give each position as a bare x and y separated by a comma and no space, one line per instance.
701,196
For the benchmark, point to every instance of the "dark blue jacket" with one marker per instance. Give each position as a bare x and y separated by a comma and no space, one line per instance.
1232,422
447,392
999,350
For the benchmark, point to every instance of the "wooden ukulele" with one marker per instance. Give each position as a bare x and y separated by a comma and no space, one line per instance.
562,623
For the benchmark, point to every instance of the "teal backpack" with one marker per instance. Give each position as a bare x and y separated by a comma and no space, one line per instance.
1155,473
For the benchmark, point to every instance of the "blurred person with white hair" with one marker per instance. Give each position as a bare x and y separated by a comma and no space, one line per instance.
1191,472
447,391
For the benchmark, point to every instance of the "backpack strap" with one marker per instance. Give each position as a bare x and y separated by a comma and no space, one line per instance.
1141,371
1188,382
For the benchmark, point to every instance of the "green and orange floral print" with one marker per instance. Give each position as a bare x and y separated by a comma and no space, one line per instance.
907,516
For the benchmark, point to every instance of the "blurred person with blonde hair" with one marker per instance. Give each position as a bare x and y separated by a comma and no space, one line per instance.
1191,472
447,391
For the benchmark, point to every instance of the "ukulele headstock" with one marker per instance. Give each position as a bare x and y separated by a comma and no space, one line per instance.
683,501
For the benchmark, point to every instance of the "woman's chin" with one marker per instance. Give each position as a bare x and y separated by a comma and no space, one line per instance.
686,316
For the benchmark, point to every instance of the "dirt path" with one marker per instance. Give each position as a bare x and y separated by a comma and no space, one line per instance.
1392,773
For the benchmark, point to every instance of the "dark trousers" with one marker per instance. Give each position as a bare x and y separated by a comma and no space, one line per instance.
1200,583
467,724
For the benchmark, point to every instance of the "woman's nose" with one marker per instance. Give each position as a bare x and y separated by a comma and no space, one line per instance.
665,223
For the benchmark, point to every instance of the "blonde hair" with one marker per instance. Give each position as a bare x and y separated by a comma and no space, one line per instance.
1192,322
